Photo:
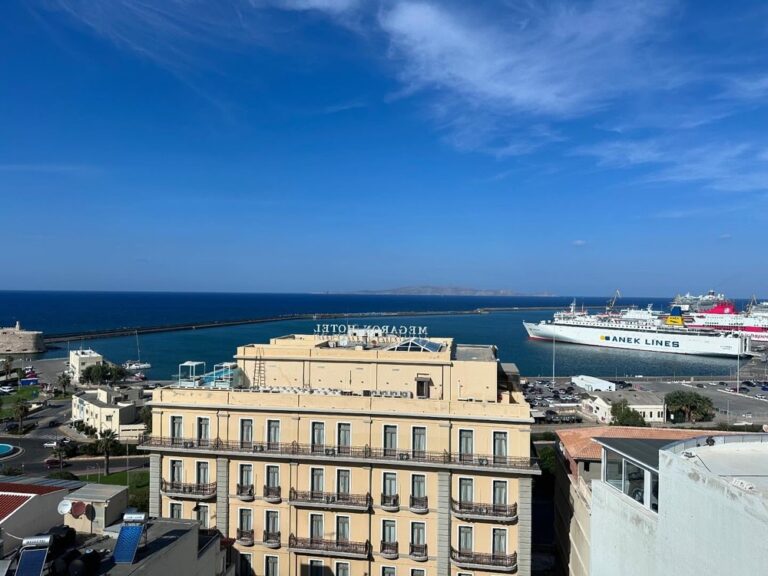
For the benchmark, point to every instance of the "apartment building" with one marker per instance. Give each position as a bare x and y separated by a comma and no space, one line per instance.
363,451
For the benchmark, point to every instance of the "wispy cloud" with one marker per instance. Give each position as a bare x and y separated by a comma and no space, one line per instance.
579,243
725,236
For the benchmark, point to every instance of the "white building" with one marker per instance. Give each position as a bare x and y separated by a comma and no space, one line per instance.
79,360
110,409
688,508
592,384
650,406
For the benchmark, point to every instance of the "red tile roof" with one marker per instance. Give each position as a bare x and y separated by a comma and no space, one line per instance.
18,488
579,444
9,503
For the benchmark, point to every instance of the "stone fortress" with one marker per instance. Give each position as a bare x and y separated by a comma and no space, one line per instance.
14,340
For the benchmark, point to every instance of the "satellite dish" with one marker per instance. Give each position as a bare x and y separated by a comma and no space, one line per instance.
64,507
78,508
90,512
765,427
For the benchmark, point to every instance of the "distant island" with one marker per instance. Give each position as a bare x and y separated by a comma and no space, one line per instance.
444,291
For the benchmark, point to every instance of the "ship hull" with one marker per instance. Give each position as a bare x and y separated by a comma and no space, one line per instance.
641,340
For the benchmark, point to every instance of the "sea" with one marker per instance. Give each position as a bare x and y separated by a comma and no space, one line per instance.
68,312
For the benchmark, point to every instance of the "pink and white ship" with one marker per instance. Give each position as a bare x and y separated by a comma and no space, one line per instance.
723,317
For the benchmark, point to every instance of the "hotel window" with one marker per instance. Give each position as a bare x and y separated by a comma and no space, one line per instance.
418,572
388,531
246,475
418,486
342,482
316,526
466,490
202,472
177,429
176,471
246,433
419,442
175,510
273,476
342,528
499,493
499,447
202,515
272,521
273,434
342,568
422,387
271,567
499,542
317,482
246,565
613,469
465,539
316,568
344,438
390,484
390,440
318,436
203,431
466,445
418,534
387,571
246,519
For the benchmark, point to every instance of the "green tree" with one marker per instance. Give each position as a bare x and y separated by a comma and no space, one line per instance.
623,415
20,411
63,381
146,417
693,406
117,373
95,374
107,443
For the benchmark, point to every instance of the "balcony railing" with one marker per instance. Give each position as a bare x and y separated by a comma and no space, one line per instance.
341,548
419,504
187,490
478,561
245,537
418,552
390,502
475,511
245,492
338,500
390,550
271,539
324,452
272,494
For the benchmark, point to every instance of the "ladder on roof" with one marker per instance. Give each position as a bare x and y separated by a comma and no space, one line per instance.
259,371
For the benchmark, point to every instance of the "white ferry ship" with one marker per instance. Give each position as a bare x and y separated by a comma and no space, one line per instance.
643,330
723,316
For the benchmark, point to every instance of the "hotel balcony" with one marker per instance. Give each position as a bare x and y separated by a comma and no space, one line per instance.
245,492
272,494
390,550
418,552
468,560
185,490
336,548
390,502
309,452
419,504
245,537
271,539
477,511
330,500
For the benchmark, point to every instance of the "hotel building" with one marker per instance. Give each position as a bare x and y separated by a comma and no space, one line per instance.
360,453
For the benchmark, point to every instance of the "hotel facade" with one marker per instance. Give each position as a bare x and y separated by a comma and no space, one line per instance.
354,453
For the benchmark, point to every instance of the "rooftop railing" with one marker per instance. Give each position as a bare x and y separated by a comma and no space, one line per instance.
326,452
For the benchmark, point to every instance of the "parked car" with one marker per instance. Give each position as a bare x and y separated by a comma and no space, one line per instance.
6,389
51,444
53,423
51,463
9,426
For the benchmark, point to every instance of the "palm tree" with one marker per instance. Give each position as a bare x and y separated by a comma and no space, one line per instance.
63,381
20,411
107,442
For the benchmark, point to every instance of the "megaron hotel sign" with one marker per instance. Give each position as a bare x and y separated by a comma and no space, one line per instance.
370,330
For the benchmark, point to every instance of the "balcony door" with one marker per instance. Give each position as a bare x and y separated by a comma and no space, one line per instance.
499,542
202,472
273,434
342,528
419,442
317,481
418,486
203,431
466,445
273,476
466,490
388,531
390,440
246,474
465,540
177,471
177,429
342,483
246,519
272,522
316,526
271,567
344,438
318,437
390,484
499,493
418,534
499,447
246,433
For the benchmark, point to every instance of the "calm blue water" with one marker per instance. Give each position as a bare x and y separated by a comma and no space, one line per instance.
70,311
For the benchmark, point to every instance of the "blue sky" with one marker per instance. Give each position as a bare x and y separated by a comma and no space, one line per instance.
320,145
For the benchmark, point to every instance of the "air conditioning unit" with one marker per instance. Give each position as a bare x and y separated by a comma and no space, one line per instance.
482,461
258,448
189,444
405,394
404,456
330,451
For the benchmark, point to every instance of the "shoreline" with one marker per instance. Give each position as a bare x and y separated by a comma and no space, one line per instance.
129,331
